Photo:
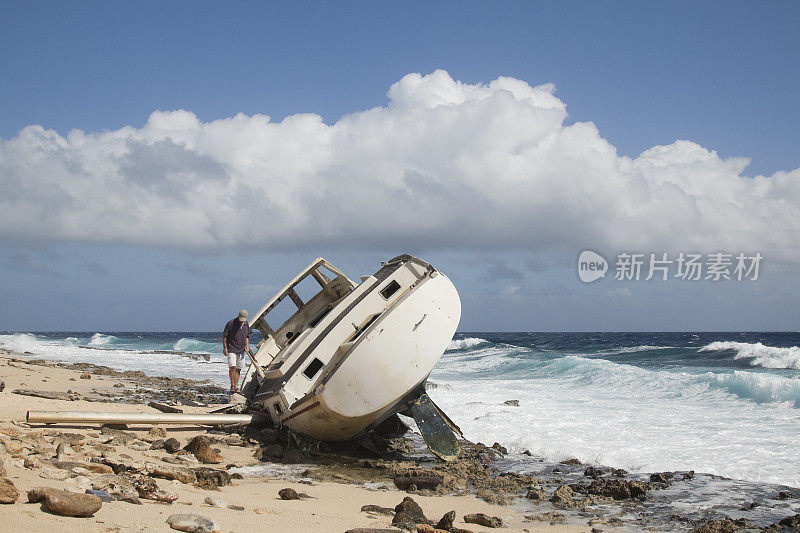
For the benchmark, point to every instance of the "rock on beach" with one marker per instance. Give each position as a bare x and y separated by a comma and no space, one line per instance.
65,503
192,523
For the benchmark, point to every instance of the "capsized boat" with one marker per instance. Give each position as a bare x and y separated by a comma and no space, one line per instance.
339,357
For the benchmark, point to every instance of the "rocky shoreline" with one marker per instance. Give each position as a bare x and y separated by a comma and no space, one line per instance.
95,466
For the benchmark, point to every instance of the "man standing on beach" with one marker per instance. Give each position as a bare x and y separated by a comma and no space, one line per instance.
235,340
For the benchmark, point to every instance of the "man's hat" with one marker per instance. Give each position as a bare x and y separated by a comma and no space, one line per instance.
243,315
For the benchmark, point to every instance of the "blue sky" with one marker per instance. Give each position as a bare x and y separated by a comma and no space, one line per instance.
721,74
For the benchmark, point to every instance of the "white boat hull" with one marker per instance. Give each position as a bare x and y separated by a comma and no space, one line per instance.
393,359
348,356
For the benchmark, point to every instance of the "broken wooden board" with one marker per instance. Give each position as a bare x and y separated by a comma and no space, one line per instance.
165,408
436,428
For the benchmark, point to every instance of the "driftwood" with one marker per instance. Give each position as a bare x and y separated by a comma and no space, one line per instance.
164,408
46,394
421,482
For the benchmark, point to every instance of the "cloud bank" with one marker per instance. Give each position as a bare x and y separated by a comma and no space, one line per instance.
444,164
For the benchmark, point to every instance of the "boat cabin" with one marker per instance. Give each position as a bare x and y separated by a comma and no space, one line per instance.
296,309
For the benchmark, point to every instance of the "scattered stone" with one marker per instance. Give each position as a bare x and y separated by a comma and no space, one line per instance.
8,492
201,448
420,482
500,448
172,445
97,468
662,477
562,496
118,385
157,444
234,440
211,478
73,440
791,521
408,513
49,472
572,461
86,375
619,489
288,494
536,494
446,522
2,385
722,526
33,461
154,434
368,530
148,489
785,495
192,523
527,452
103,495
593,472
123,436
512,403
483,520
425,528
377,509
492,496
550,516
236,507
117,486
686,475
65,503
170,472
215,502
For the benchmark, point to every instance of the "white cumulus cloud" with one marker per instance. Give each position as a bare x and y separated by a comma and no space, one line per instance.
444,164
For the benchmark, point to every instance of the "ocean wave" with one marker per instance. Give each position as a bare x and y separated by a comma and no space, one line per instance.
760,354
465,344
756,386
101,339
634,349
187,344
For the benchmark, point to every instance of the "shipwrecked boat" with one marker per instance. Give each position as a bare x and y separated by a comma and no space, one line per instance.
338,358
350,355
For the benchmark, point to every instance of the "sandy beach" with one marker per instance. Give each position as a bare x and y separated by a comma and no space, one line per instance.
29,453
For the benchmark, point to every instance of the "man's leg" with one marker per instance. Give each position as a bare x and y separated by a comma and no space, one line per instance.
233,372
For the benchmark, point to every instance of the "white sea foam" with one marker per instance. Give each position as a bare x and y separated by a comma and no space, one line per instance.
156,364
464,344
634,349
738,424
760,355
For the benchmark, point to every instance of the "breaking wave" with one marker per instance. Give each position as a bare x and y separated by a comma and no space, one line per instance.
760,355
465,344
187,344
101,339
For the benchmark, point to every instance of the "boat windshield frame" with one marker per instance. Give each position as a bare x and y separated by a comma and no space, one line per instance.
260,319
